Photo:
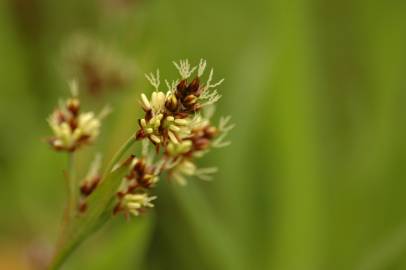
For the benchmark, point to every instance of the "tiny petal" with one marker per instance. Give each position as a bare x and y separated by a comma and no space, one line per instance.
145,103
155,139
181,122
143,123
174,128
172,137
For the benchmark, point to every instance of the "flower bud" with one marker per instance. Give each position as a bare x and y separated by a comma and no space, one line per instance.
190,100
145,103
171,103
210,132
73,106
181,122
182,86
194,86
155,139
157,101
201,143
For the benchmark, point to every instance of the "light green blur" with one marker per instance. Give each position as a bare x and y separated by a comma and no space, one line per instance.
315,178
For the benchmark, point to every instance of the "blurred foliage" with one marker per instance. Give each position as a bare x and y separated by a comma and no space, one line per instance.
315,176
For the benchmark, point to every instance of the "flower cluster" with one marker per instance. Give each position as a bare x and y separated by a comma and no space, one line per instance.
175,130
202,138
168,115
73,129
178,123
136,203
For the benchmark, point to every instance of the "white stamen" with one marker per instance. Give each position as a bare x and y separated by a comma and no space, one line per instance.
74,89
202,67
154,79
184,68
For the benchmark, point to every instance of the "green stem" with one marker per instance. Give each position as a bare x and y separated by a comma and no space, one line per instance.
71,242
119,155
71,205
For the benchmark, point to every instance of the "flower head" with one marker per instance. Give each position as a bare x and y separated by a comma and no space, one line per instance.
142,174
178,124
167,116
73,129
136,203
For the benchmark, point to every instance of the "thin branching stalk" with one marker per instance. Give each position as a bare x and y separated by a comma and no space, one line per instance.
68,245
71,197
119,154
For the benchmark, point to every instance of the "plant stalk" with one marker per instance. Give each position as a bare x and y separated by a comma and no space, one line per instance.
69,244
119,155
72,192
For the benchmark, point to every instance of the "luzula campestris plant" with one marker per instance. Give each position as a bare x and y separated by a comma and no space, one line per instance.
175,130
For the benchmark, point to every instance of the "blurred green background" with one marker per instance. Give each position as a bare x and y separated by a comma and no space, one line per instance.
314,179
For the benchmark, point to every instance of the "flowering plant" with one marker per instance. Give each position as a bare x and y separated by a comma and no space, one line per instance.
175,130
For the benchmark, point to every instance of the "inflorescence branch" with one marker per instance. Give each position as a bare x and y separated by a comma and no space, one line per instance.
176,129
